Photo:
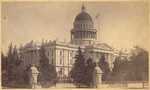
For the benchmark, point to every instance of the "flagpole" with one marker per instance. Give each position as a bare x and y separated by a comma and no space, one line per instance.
98,30
98,33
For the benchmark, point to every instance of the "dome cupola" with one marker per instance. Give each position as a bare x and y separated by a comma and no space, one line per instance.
83,31
83,16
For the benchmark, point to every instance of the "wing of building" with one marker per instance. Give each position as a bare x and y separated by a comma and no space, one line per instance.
61,54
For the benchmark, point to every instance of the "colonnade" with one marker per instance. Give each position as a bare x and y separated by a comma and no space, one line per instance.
83,25
97,55
83,34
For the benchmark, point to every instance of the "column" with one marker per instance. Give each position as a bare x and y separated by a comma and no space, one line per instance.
85,34
109,60
90,34
63,58
75,35
93,35
72,36
81,34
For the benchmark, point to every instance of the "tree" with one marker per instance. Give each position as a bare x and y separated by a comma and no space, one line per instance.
89,70
3,69
139,63
104,66
121,70
47,71
17,68
134,69
11,67
78,72
3,59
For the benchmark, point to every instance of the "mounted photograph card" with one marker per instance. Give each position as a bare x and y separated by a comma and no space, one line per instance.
74,45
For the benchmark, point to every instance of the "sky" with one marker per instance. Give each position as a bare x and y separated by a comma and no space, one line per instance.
122,24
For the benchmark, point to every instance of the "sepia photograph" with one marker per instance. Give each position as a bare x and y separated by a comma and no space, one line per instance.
75,45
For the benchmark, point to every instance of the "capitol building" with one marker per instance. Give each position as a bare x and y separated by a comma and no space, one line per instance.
61,54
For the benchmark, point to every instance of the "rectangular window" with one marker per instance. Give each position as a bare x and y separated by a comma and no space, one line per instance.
60,53
91,54
70,61
52,53
48,53
52,60
97,54
61,70
71,54
60,60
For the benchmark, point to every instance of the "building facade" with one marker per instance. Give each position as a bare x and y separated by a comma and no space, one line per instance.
61,54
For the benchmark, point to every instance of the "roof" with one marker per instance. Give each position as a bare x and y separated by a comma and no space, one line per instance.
83,16
97,70
34,70
99,46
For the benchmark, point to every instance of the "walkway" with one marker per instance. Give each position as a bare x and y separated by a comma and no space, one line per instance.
102,87
64,85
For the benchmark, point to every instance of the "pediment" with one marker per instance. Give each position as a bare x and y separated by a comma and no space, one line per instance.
103,46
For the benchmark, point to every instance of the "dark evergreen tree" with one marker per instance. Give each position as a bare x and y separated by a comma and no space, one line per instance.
78,72
17,68
11,65
47,71
3,69
89,70
25,74
3,61
104,66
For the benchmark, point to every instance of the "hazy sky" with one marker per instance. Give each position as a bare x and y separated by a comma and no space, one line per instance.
122,24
